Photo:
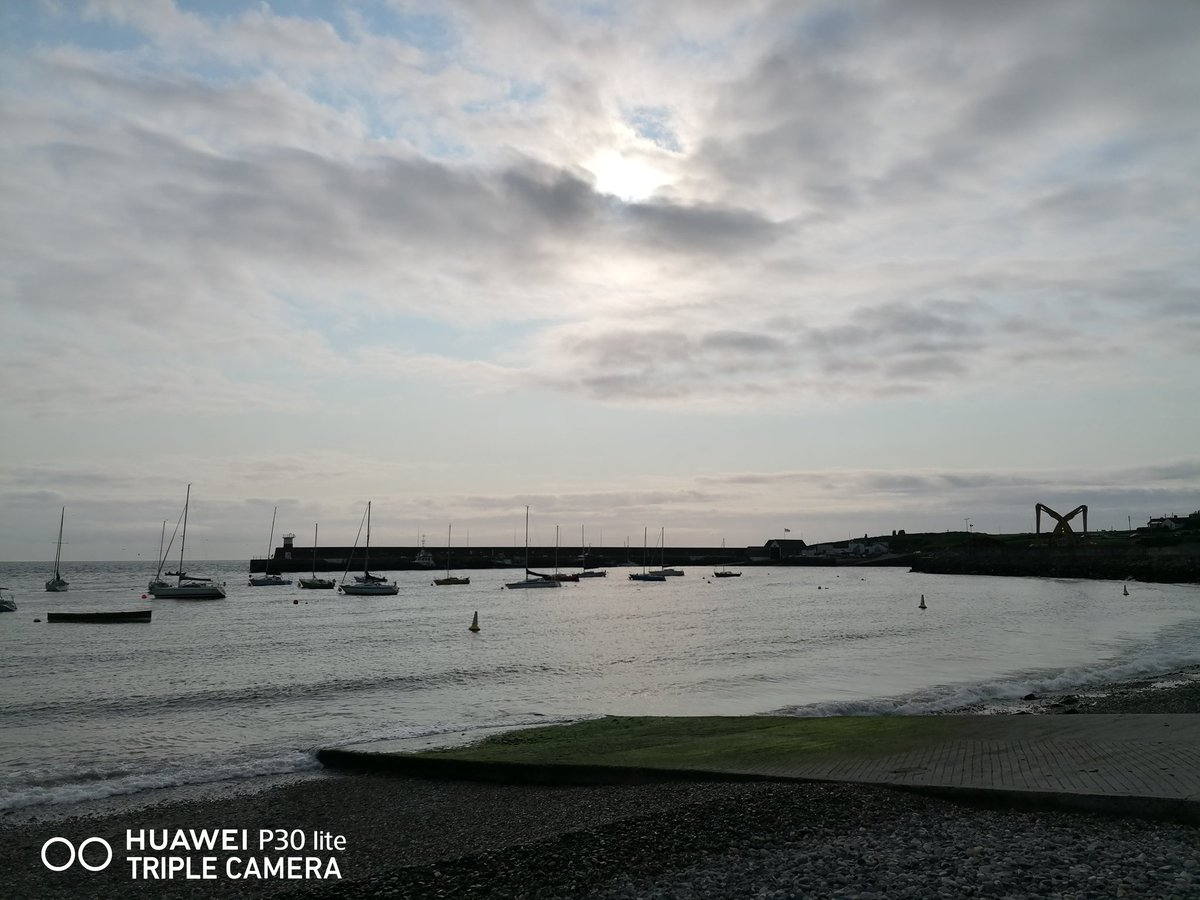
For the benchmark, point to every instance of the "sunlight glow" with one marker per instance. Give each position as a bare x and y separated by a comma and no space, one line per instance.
625,177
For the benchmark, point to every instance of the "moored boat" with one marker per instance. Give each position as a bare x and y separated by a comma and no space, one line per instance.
7,603
367,585
532,579
186,587
58,584
267,579
449,579
644,575
315,583
103,616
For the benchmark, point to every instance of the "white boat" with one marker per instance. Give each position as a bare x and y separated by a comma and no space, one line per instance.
644,575
368,585
532,580
424,558
316,583
449,579
58,584
266,579
186,587
7,603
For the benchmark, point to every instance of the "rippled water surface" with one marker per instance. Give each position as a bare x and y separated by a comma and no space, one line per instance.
254,683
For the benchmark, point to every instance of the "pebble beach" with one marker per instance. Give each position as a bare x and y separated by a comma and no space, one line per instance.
413,838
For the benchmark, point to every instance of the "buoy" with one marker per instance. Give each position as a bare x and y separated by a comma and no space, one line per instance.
295,603
143,596
922,604
474,622
1125,589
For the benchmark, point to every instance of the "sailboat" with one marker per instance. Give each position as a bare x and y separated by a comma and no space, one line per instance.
724,572
58,584
315,582
367,584
532,579
266,579
186,587
157,580
644,575
7,603
662,568
558,576
450,579
587,573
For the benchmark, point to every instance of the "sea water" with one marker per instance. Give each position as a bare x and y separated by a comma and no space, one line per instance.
226,691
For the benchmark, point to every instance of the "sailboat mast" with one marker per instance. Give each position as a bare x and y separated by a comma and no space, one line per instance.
314,575
367,551
448,527
270,542
183,538
58,552
526,540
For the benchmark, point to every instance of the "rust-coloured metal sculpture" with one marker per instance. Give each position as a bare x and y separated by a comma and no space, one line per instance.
1063,533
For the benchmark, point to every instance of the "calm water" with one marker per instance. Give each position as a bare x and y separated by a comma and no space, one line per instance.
253,684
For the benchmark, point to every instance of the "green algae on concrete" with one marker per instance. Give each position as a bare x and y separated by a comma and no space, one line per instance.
703,742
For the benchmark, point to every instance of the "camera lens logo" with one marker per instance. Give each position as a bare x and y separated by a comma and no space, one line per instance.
74,854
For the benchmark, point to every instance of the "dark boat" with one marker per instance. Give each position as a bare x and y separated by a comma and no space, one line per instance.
136,615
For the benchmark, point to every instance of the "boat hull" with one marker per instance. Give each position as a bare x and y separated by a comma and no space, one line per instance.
649,576
189,592
532,583
268,581
452,579
57,585
370,590
318,584
127,616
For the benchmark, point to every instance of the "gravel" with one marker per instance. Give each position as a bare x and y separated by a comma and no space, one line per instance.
412,838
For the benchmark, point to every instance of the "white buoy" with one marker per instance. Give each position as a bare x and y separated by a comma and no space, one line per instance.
474,622
922,603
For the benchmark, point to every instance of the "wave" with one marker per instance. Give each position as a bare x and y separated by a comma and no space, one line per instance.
998,692
225,698
80,784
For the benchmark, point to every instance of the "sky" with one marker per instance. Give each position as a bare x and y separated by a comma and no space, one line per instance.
719,269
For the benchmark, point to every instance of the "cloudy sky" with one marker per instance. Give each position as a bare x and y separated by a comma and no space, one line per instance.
719,268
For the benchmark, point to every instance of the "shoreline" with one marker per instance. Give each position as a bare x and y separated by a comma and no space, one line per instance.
408,837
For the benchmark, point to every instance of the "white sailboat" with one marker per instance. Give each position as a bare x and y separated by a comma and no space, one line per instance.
644,575
186,587
58,584
315,582
530,581
266,579
367,585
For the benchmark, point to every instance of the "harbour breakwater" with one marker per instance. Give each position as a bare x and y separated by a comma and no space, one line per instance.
300,559
1164,565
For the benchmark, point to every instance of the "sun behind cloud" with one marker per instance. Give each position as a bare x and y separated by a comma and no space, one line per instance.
625,176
